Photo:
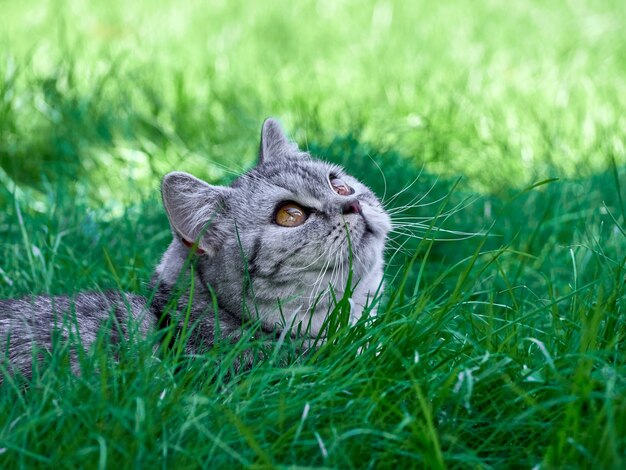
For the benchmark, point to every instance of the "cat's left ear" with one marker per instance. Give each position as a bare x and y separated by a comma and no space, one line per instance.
275,144
195,210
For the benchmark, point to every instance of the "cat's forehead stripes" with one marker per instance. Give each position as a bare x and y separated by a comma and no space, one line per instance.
305,169
306,181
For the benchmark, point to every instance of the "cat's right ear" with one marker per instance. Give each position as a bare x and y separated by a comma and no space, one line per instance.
195,210
274,143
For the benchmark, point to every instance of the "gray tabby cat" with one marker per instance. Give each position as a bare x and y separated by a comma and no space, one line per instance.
269,247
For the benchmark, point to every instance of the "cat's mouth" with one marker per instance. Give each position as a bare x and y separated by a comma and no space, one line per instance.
373,226
368,227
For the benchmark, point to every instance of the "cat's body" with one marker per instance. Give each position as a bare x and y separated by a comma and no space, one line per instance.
269,247
32,321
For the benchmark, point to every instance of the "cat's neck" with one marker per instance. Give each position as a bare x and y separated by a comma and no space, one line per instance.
201,285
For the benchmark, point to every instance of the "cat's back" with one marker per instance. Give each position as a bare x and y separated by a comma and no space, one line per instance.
35,320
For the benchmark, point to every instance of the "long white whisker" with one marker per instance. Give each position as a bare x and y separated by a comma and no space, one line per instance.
414,206
393,198
399,249
431,228
381,174
415,202
318,281
463,236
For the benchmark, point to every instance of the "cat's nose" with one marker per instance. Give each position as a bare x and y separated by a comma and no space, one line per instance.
353,207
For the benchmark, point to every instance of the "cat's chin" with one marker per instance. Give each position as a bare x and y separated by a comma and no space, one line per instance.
303,319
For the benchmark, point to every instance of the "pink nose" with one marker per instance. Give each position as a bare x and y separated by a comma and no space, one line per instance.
352,208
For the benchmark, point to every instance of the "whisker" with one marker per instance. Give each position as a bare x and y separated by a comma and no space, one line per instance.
462,235
431,228
406,188
381,174
415,202
399,249
319,279
406,207
464,204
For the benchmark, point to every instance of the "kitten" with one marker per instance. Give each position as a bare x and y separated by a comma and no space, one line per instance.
274,246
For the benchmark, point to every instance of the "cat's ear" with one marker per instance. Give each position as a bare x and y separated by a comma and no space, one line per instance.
195,210
274,143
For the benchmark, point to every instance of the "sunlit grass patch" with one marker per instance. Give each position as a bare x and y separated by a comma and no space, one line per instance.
507,95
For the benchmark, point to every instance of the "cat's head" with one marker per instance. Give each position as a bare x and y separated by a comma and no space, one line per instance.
287,229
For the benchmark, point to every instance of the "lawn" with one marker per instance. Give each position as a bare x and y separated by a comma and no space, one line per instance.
501,337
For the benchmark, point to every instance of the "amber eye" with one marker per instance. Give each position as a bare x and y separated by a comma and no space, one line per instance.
290,214
340,186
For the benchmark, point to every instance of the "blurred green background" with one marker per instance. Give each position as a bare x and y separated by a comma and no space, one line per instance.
115,94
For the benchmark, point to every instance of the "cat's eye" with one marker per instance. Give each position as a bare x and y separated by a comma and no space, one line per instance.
340,186
290,214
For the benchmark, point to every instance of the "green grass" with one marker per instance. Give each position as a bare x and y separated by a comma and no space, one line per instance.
505,349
